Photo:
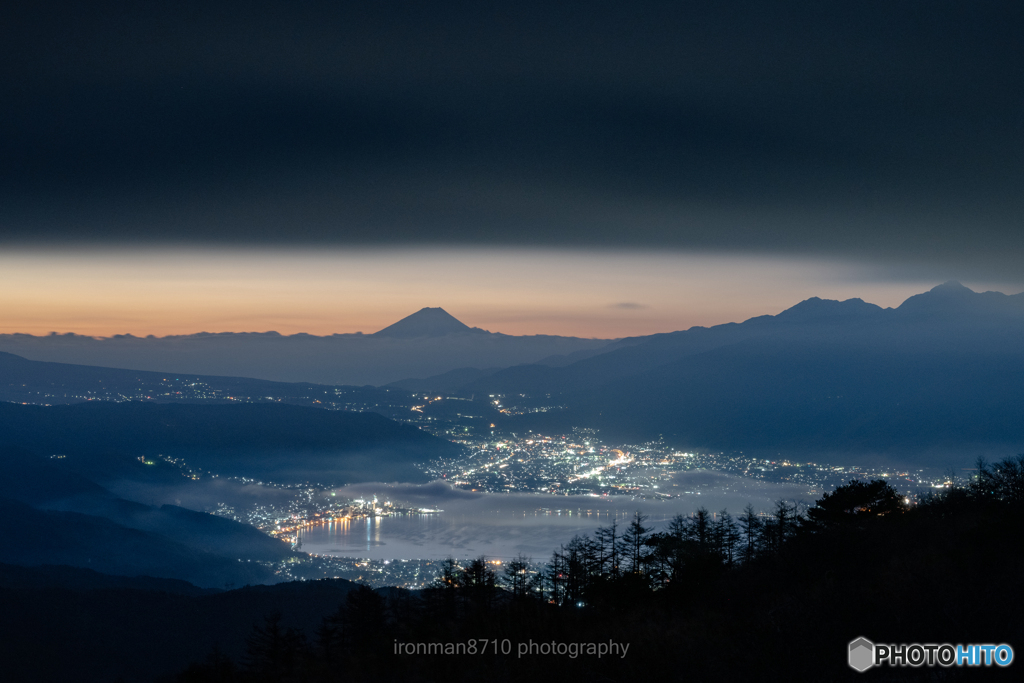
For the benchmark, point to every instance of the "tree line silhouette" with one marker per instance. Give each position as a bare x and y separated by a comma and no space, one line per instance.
712,595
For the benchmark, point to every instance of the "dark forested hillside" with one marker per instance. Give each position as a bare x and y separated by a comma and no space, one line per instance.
59,624
775,597
272,440
34,537
711,598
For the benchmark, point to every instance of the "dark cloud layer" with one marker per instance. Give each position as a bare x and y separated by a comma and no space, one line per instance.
878,129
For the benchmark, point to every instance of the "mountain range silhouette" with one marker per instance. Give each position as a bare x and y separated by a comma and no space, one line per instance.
426,343
939,379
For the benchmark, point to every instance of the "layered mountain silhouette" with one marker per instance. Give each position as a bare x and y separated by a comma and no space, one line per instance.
55,507
938,379
104,440
53,514
36,537
55,486
426,343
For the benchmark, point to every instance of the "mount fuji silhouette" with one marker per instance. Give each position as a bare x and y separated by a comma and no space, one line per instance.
427,322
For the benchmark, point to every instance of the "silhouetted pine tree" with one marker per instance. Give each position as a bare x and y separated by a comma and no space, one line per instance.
1002,481
274,653
750,533
635,548
698,529
477,586
780,526
854,501
440,596
609,542
216,668
725,536
516,579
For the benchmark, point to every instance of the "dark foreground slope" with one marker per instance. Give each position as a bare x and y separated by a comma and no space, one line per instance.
62,624
281,442
945,571
864,565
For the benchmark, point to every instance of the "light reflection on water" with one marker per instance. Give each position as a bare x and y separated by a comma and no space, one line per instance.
496,534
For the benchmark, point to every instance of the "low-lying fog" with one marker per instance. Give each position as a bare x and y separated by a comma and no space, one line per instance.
471,523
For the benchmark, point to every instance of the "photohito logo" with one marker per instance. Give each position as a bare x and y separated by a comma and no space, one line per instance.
863,654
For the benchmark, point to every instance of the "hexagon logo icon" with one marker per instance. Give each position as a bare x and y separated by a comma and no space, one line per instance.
862,654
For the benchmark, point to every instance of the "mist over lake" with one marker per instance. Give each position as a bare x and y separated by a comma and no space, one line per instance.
435,536
501,526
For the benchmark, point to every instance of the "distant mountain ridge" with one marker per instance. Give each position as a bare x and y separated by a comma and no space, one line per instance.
426,343
950,305
941,373
938,378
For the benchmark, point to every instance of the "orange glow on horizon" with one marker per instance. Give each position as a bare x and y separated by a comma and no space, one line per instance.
585,294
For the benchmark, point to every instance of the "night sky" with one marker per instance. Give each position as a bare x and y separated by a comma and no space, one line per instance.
878,145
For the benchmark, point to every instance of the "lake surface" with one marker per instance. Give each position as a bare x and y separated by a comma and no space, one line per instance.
497,534
501,526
